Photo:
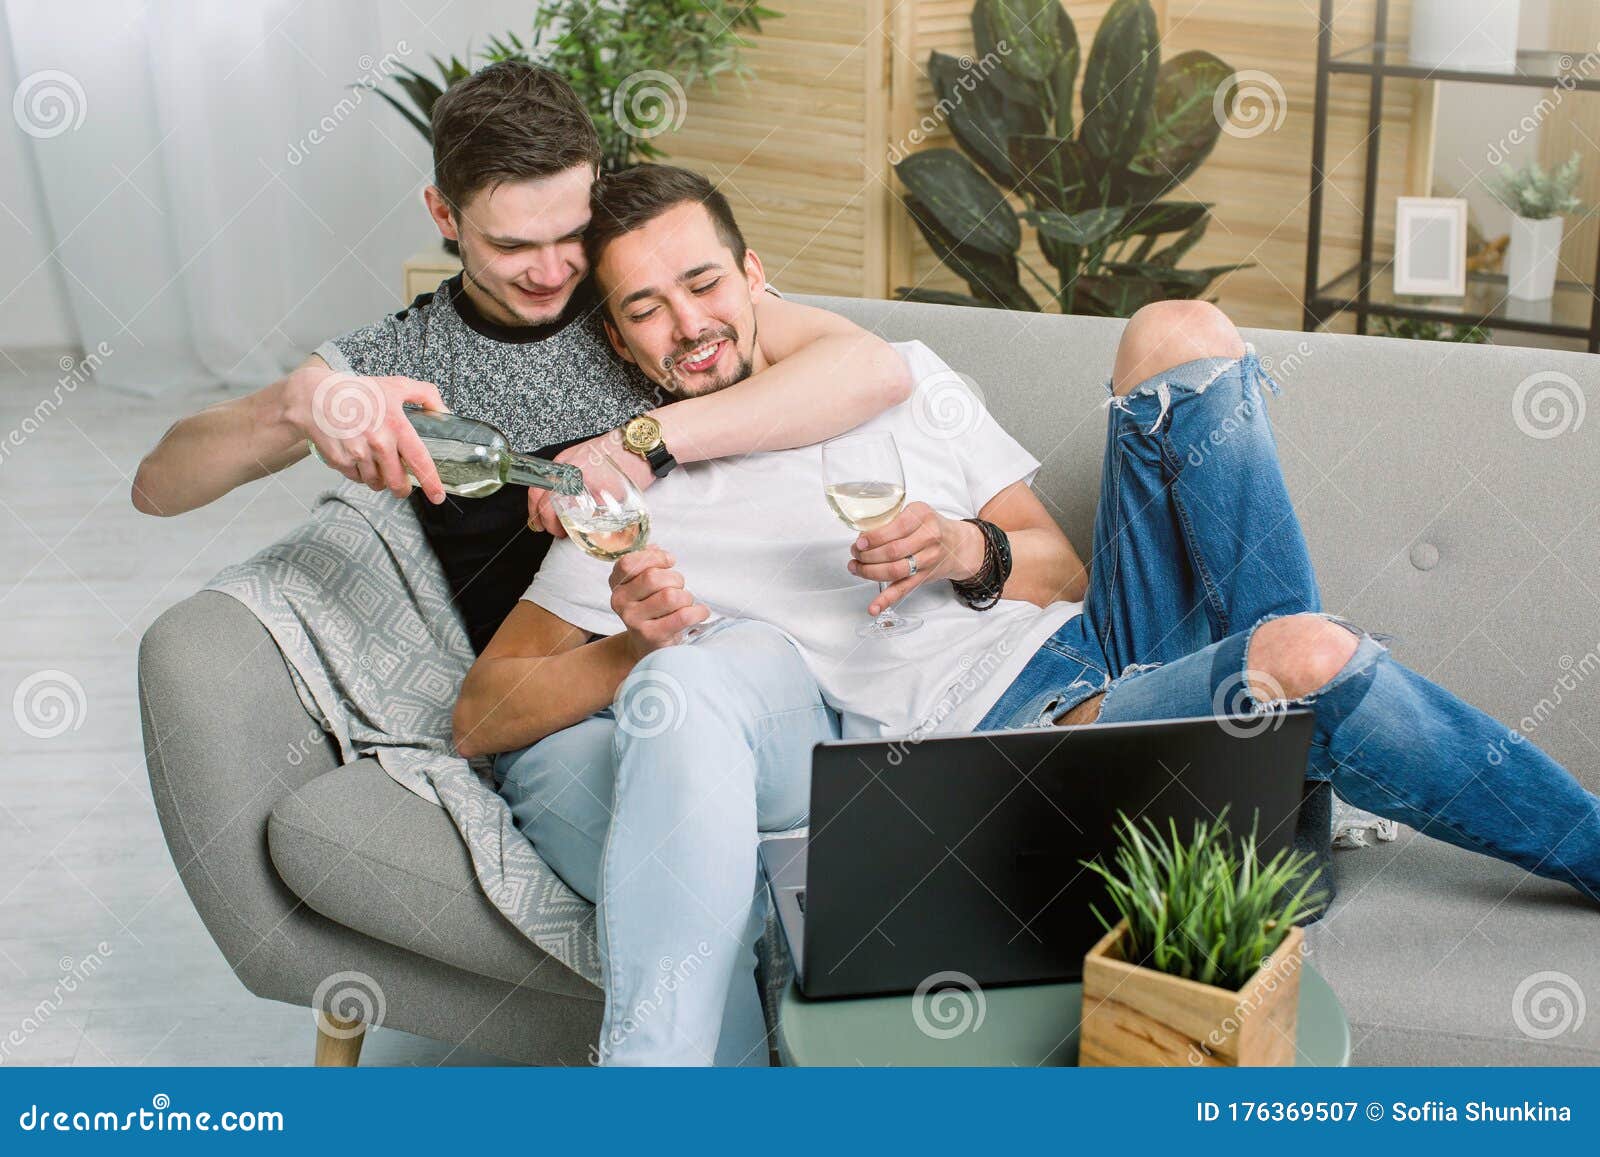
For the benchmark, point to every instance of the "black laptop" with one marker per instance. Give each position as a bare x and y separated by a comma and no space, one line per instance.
963,853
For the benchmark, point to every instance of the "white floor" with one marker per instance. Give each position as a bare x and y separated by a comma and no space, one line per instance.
102,959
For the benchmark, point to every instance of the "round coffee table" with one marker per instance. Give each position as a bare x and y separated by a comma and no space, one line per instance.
1034,1024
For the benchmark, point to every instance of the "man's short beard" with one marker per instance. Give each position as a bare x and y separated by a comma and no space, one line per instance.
743,370
466,271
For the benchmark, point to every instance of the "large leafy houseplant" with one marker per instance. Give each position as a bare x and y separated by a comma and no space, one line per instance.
599,46
1096,188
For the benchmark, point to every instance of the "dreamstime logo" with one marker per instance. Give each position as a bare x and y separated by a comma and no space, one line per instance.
1571,74
1548,1004
1574,672
353,997
1252,102
373,74
74,974
344,405
1241,711
1548,404
49,103
652,703
649,103
972,73
948,1004
48,704
672,975
947,405
74,373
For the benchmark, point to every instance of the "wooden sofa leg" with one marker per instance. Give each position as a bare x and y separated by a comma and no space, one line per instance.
338,1041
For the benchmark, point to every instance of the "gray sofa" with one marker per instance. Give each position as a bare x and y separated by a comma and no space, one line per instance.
1431,513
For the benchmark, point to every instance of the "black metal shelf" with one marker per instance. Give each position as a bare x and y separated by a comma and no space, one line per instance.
1539,69
1567,314
1366,289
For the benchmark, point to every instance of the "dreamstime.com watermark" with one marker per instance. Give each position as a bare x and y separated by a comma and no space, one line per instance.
1573,72
74,373
160,1117
371,76
672,976
1284,969
1574,673
972,74
976,672
74,974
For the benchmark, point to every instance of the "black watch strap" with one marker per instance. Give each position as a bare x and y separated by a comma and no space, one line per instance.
661,460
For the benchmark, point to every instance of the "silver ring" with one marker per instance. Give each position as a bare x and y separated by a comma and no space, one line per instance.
912,559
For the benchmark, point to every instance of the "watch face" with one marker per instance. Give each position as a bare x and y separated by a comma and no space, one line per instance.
642,434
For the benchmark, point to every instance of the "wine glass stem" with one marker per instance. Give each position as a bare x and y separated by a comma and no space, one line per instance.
887,618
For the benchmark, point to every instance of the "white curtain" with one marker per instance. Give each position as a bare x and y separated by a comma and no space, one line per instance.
220,198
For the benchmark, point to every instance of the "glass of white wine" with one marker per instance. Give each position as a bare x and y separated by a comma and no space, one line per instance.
608,518
866,486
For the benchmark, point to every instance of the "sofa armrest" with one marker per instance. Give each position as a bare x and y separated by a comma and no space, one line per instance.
226,737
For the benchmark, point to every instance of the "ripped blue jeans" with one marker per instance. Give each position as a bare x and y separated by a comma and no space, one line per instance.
1195,545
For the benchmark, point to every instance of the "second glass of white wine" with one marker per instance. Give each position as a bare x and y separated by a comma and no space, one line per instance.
865,485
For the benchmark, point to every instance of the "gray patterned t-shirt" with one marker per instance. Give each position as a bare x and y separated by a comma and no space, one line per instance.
545,387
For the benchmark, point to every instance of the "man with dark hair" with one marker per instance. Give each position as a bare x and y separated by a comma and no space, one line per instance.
515,339
643,770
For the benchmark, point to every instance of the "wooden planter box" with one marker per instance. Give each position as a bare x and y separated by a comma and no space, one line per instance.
1138,1016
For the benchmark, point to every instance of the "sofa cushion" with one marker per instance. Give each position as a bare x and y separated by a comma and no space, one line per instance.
1445,957
362,850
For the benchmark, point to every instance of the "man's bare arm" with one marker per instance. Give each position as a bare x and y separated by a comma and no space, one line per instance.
537,675
204,456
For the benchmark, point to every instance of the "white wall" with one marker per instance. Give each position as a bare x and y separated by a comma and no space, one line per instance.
35,313
389,226
1475,125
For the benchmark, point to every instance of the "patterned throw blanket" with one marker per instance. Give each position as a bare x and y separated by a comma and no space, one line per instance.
359,605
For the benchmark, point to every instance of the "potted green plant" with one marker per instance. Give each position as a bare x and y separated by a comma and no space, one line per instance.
1203,968
1093,188
1539,202
599,46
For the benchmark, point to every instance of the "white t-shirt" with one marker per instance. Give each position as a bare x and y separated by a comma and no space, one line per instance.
754,538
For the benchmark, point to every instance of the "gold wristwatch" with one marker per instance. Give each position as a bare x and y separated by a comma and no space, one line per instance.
642,436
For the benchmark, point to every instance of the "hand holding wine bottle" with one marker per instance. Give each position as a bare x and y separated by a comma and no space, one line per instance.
358,426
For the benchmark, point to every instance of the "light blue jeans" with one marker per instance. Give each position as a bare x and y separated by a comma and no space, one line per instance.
1195,545
652,810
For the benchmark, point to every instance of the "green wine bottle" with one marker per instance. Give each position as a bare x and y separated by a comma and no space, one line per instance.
474,459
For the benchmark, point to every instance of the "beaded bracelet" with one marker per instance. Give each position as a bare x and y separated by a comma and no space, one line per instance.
982,591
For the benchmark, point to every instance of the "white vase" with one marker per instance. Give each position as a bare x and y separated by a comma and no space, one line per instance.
1532,257
1465,34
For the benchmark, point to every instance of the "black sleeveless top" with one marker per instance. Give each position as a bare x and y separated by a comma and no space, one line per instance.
546,387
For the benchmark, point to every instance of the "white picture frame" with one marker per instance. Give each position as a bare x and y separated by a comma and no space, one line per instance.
1430,246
